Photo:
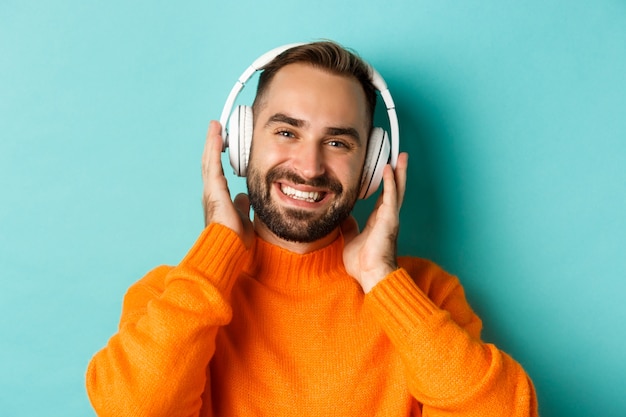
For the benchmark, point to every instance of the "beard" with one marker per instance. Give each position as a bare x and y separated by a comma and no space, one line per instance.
298,225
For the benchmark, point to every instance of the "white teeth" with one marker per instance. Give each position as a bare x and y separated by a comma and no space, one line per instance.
310,196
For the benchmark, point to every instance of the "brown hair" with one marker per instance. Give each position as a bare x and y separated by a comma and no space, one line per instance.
326,55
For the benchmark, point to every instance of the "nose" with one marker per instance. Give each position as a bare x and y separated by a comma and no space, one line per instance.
308,160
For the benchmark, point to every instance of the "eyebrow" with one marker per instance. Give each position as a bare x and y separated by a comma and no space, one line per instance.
344,131
283,118
299,123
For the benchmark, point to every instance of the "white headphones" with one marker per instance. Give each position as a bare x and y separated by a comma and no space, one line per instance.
238,135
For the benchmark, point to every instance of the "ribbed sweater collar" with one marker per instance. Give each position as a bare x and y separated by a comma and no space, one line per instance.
280,268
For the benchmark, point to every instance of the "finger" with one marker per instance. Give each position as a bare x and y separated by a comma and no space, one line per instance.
400,176
211,157
390,192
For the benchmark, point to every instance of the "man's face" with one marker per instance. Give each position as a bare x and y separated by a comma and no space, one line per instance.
309,142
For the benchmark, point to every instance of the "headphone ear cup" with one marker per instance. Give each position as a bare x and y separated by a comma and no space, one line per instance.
240,139
377,156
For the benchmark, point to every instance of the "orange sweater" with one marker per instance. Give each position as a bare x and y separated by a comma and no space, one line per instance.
267,332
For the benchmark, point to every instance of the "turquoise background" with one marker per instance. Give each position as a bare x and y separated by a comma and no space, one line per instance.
514,114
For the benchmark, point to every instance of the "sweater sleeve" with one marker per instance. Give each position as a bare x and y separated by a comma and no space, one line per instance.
156,363
451,372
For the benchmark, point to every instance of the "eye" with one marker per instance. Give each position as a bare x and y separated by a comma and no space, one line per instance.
285,133
338,144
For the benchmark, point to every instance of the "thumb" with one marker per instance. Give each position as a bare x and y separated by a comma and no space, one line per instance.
242,204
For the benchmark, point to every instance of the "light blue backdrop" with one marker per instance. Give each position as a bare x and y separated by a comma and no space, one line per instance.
514,114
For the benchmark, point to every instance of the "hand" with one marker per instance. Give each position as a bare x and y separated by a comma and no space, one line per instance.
370,256
216,200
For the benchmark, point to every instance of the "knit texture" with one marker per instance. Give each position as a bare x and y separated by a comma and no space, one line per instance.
267,332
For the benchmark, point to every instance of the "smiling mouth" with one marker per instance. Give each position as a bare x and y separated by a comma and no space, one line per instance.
308,196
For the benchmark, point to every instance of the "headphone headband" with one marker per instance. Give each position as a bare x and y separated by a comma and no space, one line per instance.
377,80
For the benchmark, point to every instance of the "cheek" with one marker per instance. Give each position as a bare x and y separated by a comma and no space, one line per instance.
260,157
265,152
350,172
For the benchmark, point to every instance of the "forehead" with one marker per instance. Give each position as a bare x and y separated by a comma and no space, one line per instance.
312,92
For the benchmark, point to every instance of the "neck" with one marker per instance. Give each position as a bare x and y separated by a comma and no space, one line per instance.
296,247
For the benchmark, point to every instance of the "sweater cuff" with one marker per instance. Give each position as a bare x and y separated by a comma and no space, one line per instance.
400,306
218,254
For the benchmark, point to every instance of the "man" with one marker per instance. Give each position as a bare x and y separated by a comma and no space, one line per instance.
298,313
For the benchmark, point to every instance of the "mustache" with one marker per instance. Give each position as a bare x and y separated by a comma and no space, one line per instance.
322,181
